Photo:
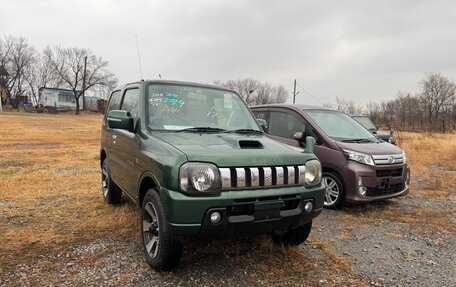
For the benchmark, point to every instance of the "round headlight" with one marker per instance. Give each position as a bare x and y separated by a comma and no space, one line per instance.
313,172
202,178
199,177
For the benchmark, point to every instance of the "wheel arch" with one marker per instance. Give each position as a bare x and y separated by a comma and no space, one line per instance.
335,172
146,182
103,156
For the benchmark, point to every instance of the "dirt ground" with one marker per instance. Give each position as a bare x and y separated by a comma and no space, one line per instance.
56,230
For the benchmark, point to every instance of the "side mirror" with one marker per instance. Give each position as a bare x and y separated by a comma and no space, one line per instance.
263,124
376,127
310,142
120,120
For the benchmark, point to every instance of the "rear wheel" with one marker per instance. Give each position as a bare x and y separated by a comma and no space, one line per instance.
112,194
294,236
335,193
162,250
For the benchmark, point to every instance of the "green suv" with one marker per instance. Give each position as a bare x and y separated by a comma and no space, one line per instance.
198,164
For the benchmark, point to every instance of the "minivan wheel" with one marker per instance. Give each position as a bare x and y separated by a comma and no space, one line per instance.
161,249
335,193
292,237
112,194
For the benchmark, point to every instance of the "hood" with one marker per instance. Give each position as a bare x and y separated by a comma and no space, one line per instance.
382,148
383,135
226,150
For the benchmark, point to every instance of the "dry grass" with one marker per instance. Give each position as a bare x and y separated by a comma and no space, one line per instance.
434,219
425,149
50,186
394,235
50,201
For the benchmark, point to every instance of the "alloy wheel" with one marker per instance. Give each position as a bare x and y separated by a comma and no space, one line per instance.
151,229
332,191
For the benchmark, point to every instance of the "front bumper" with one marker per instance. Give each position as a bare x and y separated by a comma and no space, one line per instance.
381,182
242,211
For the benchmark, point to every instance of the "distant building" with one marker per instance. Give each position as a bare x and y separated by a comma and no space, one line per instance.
59,98
90,103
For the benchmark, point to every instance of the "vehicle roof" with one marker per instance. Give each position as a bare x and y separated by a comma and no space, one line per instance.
171,82
358,115
294,106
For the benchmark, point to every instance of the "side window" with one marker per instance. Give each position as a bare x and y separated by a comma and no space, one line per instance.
130,102
114,102
285,125
260,115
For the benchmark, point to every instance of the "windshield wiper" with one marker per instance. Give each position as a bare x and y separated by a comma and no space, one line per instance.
245,131
358,141
201,130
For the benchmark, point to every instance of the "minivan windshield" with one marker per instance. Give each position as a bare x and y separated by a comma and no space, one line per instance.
366,122
197,109
340,126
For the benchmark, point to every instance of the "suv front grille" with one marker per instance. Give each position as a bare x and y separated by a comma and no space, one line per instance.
254,177
388,159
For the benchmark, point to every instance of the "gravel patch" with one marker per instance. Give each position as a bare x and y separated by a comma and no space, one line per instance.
380,252
389,253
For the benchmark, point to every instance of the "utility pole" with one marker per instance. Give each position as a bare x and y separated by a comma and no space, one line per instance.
294,92
84,83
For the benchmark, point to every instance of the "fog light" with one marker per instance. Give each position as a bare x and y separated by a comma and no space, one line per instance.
362,190
215,217
308,207
407,180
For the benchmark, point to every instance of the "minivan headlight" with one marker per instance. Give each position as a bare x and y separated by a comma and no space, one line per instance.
313,172
199,177
359,157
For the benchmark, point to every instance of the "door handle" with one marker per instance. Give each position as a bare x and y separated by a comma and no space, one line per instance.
114,138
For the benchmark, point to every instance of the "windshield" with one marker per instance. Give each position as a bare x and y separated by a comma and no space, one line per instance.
340,126
189,108
366,122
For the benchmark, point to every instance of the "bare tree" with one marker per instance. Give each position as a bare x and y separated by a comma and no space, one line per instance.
348,106
330,106
42,74
373,111
253,92
437,92
17,56
69,65
280,94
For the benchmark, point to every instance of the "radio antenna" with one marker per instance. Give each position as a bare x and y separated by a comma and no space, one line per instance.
139,58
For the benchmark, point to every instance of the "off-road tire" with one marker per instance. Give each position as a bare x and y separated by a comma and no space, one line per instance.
292,237
112,194
168,249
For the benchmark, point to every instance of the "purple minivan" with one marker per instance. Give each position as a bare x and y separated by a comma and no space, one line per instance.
357,167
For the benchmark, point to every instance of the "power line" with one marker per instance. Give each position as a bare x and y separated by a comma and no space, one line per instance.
307,92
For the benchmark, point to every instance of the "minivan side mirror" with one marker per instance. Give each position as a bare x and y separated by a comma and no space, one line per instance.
118,119
263,124
376,127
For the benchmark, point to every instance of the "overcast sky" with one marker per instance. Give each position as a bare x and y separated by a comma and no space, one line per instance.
357,50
